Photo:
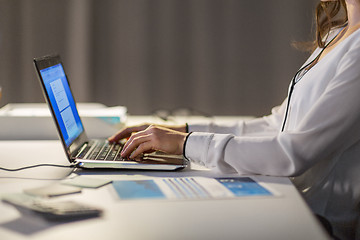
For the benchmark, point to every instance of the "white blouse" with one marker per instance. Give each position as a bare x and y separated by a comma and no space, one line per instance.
319,147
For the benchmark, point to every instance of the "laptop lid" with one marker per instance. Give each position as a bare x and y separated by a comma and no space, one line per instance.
60,99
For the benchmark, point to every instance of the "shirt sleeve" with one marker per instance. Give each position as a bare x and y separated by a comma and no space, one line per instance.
331,126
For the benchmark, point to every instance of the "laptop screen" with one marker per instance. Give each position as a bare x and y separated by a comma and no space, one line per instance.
62,102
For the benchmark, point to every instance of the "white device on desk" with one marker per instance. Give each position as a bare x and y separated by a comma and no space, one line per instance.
84,152
52,210
99,120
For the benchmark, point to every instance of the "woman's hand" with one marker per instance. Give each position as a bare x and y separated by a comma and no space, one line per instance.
153,138
127,132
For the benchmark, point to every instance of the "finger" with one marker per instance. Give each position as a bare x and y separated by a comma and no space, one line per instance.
125,133
118,136
143,131
132,137
142,148
134,143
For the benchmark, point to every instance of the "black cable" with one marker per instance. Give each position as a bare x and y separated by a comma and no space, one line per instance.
38,165
37,179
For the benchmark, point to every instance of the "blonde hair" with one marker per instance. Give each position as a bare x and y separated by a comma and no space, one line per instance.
329,15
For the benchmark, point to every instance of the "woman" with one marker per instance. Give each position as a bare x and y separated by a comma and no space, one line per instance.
314,136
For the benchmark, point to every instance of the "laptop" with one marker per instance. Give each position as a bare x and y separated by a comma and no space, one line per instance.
80,150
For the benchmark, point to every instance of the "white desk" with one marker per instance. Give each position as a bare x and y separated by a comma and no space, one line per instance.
273,218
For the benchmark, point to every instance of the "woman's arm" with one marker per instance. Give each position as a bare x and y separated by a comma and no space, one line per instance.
263,126
330,127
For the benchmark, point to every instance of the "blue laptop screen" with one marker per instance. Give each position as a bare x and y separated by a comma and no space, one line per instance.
62,102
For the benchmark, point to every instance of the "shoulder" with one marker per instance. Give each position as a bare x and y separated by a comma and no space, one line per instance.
352,46
349,49
354,38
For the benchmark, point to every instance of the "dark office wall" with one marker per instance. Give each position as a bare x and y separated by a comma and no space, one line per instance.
215,56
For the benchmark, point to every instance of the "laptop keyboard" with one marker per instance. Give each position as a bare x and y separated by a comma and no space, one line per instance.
105,151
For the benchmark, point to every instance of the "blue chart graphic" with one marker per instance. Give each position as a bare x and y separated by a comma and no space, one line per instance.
189,188
244,186
138,189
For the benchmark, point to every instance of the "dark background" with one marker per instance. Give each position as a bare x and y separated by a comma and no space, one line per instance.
221,57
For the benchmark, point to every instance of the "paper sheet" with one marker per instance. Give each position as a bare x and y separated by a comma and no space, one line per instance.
190,188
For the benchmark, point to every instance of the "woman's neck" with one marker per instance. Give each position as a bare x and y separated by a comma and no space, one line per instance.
353,9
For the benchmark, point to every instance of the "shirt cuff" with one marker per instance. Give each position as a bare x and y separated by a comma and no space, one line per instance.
196,146
184,147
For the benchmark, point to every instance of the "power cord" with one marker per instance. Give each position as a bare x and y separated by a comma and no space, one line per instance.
34,166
